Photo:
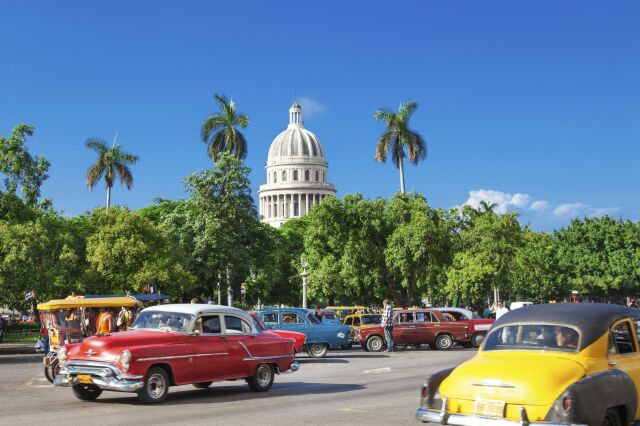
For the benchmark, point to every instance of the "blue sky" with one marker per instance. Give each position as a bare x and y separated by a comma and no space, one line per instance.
534,105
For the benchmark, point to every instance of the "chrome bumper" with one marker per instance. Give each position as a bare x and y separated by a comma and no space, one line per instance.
104,375
439,416
295,366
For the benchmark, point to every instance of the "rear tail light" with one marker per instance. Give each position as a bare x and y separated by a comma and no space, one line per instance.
566,404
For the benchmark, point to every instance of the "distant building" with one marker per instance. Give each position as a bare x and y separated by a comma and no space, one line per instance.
296,173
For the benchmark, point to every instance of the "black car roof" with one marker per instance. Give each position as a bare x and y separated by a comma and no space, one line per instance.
592,320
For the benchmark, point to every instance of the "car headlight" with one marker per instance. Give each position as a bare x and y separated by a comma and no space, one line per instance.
62,354
125,360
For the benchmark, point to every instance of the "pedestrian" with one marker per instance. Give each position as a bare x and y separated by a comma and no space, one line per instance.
487,311
387,323
194,301
501,310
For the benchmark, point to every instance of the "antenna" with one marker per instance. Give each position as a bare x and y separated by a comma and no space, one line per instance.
115,138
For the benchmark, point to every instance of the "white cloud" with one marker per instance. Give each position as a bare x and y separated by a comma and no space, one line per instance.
310,107
602,211
539,206
570,209
504,201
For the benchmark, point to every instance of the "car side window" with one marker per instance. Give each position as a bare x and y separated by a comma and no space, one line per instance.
404,318
292,318
422,317
210,324
233,324
270,318
622,341
356,321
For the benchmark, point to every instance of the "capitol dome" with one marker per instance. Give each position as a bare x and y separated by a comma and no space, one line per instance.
296,173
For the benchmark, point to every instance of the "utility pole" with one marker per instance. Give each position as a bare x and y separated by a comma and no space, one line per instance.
219,292
229,292
304,275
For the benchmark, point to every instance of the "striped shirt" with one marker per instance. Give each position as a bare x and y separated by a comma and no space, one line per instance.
387,315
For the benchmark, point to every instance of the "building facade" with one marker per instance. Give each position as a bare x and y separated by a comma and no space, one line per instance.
296,173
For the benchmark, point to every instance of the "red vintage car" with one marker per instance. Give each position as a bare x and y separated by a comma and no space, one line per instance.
172,345
300,338
417,327
478,327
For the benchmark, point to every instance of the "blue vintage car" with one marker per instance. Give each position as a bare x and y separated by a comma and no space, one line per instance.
321,336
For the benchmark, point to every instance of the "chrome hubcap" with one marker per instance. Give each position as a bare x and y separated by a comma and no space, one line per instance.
445,343
264,376
156,386
376,344
317,349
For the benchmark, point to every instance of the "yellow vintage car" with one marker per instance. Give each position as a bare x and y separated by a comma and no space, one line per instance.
360,320
556,364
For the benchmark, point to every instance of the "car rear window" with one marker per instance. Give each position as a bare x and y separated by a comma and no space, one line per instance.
533,337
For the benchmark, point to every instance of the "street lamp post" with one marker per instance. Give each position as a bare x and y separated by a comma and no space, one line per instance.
304,275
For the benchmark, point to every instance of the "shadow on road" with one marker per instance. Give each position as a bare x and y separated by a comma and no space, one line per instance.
21,359
220,394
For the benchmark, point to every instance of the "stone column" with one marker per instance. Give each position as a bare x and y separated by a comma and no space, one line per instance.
291,205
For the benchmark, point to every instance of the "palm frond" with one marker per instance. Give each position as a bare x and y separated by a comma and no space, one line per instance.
242,121
240,146
124,173
217,145
94,173
97,144
383,115
382,148
407,109
416,147
222,101
210,125
397,150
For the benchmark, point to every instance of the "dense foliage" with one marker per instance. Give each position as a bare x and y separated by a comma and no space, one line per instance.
358,250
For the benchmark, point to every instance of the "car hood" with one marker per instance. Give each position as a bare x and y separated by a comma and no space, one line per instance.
105,347
516,377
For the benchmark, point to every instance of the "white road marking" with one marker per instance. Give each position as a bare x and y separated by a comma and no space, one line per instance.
33,383
378,370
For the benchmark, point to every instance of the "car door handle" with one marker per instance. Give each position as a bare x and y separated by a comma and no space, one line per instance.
412,326
612,363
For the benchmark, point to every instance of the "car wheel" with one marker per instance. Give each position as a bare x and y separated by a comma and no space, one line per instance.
477,339
156,386
86,392
202,385
263,379
612,418
375,344
444,342
318,350
48,373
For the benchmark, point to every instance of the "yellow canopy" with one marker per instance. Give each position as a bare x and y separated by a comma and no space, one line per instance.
80,302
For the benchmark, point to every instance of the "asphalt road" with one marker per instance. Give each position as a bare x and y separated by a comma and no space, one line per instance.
346,388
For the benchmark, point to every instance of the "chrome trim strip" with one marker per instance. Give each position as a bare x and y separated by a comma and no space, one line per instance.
262,358
246,349
162,358
435,416
494,385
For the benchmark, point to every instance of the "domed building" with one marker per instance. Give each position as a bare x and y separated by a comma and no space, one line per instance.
296,173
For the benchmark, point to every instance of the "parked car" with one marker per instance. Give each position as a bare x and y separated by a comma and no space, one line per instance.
321,335
555,364
478,327
416,327
176,345
359,320
299,338
343,311
517,305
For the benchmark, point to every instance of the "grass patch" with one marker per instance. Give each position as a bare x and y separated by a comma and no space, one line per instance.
21,338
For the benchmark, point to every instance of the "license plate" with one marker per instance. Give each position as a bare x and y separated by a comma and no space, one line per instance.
84,378
489,407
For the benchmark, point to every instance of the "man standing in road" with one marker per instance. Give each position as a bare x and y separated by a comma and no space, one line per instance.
387,323
501,310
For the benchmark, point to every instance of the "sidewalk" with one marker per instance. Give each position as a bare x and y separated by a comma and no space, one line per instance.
18,348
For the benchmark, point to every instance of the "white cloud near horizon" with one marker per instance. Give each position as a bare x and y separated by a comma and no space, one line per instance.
525,204
310,107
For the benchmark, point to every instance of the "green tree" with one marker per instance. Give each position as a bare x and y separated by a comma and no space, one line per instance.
127,252
219,131
112,163
19,168
398,136
484,257
535,274
600,256
418,248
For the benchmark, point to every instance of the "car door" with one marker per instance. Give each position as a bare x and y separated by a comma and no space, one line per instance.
270,320
425,327
240,341
623,351
404,329
209,348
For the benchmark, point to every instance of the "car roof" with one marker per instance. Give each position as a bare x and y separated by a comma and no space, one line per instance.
592,320
296,310
196,309
464,311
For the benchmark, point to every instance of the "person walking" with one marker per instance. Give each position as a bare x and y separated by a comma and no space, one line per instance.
387,323
501,310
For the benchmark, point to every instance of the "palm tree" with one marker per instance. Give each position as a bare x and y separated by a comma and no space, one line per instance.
486,206
112,163
219,130
398,136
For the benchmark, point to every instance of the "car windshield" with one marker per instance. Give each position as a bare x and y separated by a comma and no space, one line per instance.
371,319
533,337
163,321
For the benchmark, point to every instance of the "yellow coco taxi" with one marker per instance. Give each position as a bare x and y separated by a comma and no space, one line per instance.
556,364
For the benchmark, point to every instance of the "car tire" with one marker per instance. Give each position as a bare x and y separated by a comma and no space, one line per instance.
86,392
262,380
612,418
375,344
48,373
156,386
202,385
477,339
444,342
318,350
